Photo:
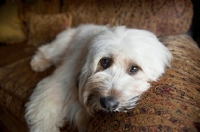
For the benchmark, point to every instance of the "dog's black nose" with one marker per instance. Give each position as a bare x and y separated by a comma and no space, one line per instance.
109,103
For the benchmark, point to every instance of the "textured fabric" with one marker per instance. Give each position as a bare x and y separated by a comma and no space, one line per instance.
39,7
171,104
163,17
3,128
10,53
17,81
12,29
43,29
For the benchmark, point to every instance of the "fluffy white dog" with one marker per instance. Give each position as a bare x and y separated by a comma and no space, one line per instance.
98,68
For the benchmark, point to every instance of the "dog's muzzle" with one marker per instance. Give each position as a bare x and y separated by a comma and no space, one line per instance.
109,103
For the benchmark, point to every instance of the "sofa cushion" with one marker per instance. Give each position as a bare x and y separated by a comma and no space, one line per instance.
172,103
17,81
28,7
163,17
43,29
12,29
10,53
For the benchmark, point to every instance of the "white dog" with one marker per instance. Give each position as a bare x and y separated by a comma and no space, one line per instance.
99,68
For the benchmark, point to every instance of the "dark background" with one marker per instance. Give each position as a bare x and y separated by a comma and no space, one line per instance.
195,27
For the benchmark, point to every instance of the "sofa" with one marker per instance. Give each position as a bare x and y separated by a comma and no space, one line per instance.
171,104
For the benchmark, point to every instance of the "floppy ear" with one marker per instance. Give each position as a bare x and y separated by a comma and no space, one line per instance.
88,69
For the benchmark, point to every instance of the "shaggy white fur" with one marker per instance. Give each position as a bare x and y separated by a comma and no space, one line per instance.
98,68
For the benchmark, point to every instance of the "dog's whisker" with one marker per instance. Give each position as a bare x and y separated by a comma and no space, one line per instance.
129,105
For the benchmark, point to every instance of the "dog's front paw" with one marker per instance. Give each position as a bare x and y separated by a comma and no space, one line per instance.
39,63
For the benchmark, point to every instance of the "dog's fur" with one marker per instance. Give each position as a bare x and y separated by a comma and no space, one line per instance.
76,88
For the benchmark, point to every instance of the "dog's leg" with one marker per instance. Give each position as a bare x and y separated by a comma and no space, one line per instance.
52,53
44,111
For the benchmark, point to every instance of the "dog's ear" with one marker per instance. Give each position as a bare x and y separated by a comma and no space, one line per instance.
77,79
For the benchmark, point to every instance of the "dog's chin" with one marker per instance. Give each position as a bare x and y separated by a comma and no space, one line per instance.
119,109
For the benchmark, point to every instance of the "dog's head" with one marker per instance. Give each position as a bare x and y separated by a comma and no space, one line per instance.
119,66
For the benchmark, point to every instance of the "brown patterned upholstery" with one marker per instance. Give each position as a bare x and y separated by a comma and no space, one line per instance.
163,17
17,81
171,104
39,7
43,29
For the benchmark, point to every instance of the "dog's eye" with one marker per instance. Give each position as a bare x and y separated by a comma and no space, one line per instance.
133,70
105,62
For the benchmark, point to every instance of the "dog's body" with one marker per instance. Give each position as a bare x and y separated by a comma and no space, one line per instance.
99,68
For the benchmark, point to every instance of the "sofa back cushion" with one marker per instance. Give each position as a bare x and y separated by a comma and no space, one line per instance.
163,17
43,29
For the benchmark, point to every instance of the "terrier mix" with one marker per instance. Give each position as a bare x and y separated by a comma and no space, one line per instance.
98,68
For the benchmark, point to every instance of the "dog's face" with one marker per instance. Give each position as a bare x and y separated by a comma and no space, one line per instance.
119,66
